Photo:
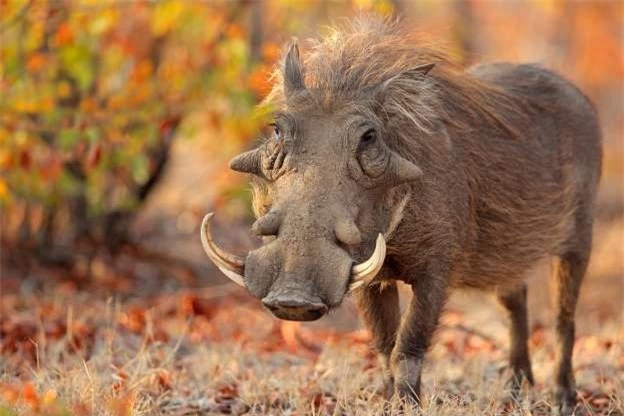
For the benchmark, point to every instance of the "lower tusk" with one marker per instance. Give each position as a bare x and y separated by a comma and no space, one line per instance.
365,272
232,266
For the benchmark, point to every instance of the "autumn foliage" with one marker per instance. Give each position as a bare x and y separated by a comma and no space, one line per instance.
92,100
98,100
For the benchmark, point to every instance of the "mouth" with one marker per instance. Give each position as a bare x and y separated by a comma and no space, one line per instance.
297,314
295,306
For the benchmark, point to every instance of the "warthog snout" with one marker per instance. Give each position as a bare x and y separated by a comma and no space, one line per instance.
298,279
294,306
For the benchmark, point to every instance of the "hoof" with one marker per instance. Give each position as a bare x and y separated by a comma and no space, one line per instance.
567,409
517,383
565,402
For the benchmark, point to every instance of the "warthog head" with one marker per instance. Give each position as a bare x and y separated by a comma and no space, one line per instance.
319,181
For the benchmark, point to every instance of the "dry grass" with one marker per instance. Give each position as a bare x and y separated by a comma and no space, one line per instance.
70,351
185,356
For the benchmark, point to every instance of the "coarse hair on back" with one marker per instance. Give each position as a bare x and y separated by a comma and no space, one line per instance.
371,54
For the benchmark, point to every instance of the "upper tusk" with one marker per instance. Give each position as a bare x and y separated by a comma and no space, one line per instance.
232,266
365,272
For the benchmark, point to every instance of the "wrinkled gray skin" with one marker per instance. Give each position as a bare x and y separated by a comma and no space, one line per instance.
487,196
314,212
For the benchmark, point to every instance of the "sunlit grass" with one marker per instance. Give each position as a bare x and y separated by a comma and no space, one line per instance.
125,370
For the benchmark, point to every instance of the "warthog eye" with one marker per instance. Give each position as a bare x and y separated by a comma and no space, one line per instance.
368,137
276,131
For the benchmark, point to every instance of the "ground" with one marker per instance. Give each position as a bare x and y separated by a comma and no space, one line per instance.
114,345
156,330
217,352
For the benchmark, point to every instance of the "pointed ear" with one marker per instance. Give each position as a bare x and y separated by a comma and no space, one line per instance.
401,170
248,162
293,70
415,73
420,70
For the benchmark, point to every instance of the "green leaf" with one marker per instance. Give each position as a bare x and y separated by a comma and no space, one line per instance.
140,168
76,59
6,411
93,134
68,138
53,116
68,184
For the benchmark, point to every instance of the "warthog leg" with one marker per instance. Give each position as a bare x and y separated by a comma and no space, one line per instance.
515,302
566,281
566,284
416,330
379,305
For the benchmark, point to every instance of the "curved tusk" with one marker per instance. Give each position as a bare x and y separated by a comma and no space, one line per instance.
232,266
365,272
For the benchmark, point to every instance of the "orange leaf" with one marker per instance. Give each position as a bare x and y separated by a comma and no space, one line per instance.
122,406
53,168
235,31
31,398
164,380
88,105
4,189
271,52
64,34
133,320
259,81
36,62
142,71
9,393
7,159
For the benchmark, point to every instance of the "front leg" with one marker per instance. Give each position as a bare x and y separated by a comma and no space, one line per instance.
379,305
415,333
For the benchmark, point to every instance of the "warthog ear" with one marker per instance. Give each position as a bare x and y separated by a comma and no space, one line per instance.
293,70
391,169
405,95
408,75
420,70
401,170
248,162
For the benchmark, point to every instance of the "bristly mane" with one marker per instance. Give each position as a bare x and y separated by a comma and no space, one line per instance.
369,52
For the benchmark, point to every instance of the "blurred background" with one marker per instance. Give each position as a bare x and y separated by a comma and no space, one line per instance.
118,118
117,122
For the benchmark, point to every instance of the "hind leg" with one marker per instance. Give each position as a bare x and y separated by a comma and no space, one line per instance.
515,302
567,279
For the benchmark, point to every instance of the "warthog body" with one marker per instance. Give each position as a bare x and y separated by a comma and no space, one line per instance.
472,177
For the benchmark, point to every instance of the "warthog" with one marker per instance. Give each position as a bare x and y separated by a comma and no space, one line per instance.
388,162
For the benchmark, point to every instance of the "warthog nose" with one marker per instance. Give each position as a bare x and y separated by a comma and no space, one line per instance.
294,308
